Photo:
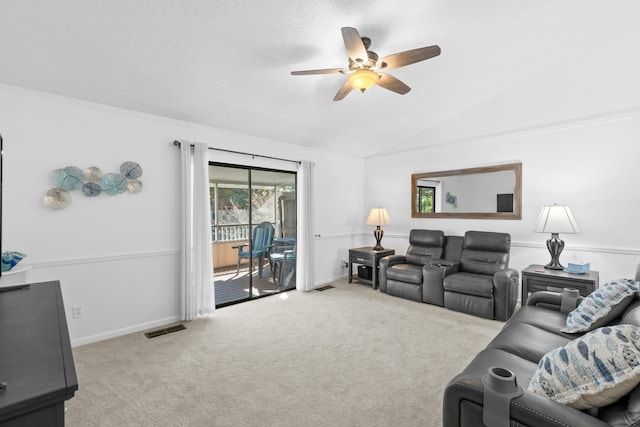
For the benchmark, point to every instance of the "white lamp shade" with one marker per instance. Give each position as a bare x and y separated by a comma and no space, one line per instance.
556,219
378,216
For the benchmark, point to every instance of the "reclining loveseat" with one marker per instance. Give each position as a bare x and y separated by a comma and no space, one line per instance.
534,344
469,274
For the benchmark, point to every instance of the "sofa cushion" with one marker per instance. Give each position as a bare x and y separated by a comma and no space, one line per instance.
544,318
422,256
453,248
405,273
424,245
485,252
527,341
591,371
631,314
601,306
470,284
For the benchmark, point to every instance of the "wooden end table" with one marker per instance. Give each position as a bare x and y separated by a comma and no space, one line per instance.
537,278
367,256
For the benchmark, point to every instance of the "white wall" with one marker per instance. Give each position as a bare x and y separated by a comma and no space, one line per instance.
590,166
118,255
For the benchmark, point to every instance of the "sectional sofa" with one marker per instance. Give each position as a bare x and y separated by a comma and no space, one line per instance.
583,378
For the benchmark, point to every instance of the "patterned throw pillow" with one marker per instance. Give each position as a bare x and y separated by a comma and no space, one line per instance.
602,306
592,371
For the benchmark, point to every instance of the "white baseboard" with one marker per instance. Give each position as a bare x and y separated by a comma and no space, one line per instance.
124,331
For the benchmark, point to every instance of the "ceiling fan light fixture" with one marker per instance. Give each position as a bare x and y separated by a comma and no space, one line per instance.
363,79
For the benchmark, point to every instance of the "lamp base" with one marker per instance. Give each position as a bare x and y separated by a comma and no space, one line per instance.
555,246
378,233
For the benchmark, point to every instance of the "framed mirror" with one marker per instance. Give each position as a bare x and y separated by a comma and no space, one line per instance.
491,192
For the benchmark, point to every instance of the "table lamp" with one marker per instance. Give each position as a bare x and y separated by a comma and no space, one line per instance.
556,219
378,216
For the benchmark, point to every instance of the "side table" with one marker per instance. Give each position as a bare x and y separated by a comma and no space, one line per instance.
367,256
537,278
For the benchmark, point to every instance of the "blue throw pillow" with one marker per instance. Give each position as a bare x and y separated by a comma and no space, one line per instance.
592,371
10,259
601,306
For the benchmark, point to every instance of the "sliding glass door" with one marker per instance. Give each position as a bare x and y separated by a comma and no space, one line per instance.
253,231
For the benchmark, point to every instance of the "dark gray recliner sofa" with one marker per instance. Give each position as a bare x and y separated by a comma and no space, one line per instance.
474,269
404,275
483,284
532,332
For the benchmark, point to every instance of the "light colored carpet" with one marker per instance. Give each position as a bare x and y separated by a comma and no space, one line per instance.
348,356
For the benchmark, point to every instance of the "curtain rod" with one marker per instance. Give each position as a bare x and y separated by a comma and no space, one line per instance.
178,143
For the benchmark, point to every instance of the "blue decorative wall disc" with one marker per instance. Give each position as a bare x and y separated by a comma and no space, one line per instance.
68,178
131,170
91,189
113,183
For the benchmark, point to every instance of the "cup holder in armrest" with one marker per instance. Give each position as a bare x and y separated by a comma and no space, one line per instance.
500,387
570,300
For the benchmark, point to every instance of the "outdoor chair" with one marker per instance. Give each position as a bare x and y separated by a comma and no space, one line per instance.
282,258
261,240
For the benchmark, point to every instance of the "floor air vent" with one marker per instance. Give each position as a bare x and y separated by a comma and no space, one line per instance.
164,331
324,288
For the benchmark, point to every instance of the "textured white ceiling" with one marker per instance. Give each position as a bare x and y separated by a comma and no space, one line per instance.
505,65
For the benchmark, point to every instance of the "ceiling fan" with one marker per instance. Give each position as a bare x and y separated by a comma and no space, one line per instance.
364,65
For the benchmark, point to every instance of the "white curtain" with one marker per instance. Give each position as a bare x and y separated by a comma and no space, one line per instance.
196,280
304,248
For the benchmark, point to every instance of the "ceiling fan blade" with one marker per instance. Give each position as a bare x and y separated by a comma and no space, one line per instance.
387,81
344,91
401,59
324,71
354,45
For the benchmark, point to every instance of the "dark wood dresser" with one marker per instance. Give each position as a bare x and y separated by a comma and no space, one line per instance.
36,361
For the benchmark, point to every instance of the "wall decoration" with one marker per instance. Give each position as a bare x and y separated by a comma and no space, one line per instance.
134,186
92,174
91,189
57,198
131,170
11,259
113,183
451,199
68,178
91,182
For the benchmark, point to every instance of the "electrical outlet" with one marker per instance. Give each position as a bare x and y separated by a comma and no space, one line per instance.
345,264
78,311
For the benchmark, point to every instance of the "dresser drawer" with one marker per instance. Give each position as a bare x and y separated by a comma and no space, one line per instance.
362,260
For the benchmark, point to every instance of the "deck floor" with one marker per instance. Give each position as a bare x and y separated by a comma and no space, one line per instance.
231,285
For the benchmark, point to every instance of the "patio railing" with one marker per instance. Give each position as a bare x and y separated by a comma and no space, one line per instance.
230,233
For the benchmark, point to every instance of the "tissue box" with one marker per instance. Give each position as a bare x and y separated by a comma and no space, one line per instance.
578,267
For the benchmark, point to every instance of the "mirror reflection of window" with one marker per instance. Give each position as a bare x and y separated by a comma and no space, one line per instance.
426,199
468,193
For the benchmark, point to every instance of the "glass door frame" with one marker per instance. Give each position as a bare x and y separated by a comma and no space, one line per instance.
251,225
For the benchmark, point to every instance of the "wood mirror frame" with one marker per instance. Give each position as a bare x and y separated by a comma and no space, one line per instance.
517,193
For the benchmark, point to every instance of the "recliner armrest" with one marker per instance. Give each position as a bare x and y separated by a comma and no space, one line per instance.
505,292
391,260
385,263
550,299
432,281
529,409
547,299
